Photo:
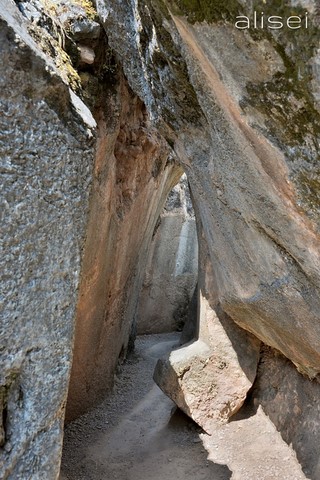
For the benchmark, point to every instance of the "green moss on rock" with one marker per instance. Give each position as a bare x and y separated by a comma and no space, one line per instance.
309,186
209,10
288,108
286,100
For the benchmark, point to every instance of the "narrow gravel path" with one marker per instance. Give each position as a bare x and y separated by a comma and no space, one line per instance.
137,434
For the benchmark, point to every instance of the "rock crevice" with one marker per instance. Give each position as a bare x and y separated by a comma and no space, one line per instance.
103,108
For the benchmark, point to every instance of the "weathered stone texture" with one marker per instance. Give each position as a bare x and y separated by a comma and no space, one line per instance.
172,268
46,159
209,378
245,178
132,178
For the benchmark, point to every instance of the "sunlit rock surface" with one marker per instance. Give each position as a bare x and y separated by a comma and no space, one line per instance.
46,144
172,268
101,110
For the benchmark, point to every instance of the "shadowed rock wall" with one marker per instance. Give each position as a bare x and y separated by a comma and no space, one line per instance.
132,178
172,268
292,402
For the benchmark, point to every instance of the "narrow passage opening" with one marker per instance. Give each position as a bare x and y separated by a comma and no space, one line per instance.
165,303
137,433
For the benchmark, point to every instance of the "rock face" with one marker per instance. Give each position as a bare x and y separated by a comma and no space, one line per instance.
244,162
291,402
132,179
239,111
209,378
46,161
250,162
172,268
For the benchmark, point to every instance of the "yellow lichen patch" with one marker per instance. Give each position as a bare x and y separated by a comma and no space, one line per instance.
54,49
88,6
49,6
64,64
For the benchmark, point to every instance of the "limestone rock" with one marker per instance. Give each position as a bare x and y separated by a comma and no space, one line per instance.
208,381
46,144
131,181
189,331
87,54
179,199
250,161
291,401
83,28
209,378
168,88
172,268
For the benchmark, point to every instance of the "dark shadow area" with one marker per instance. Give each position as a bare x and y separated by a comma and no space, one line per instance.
180,420
189,331
248,409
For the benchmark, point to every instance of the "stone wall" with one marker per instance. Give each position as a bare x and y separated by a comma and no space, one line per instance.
165,88
172,268
291,401
244,164
132,178
47,152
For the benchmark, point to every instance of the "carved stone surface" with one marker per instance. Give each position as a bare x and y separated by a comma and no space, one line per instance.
236,126
46,161
209,377
172,268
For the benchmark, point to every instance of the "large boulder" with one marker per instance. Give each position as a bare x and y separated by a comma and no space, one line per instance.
209,378
47,153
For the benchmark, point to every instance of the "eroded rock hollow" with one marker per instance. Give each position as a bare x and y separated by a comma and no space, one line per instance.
104,105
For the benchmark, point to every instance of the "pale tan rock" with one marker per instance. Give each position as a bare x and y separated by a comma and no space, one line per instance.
172,268
205,380
210,377
87,54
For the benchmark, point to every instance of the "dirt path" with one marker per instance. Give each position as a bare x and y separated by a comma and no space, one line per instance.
137,434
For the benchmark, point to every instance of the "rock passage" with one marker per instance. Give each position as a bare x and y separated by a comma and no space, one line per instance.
104,105
137,434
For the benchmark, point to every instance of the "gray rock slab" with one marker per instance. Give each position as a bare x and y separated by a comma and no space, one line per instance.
46,161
